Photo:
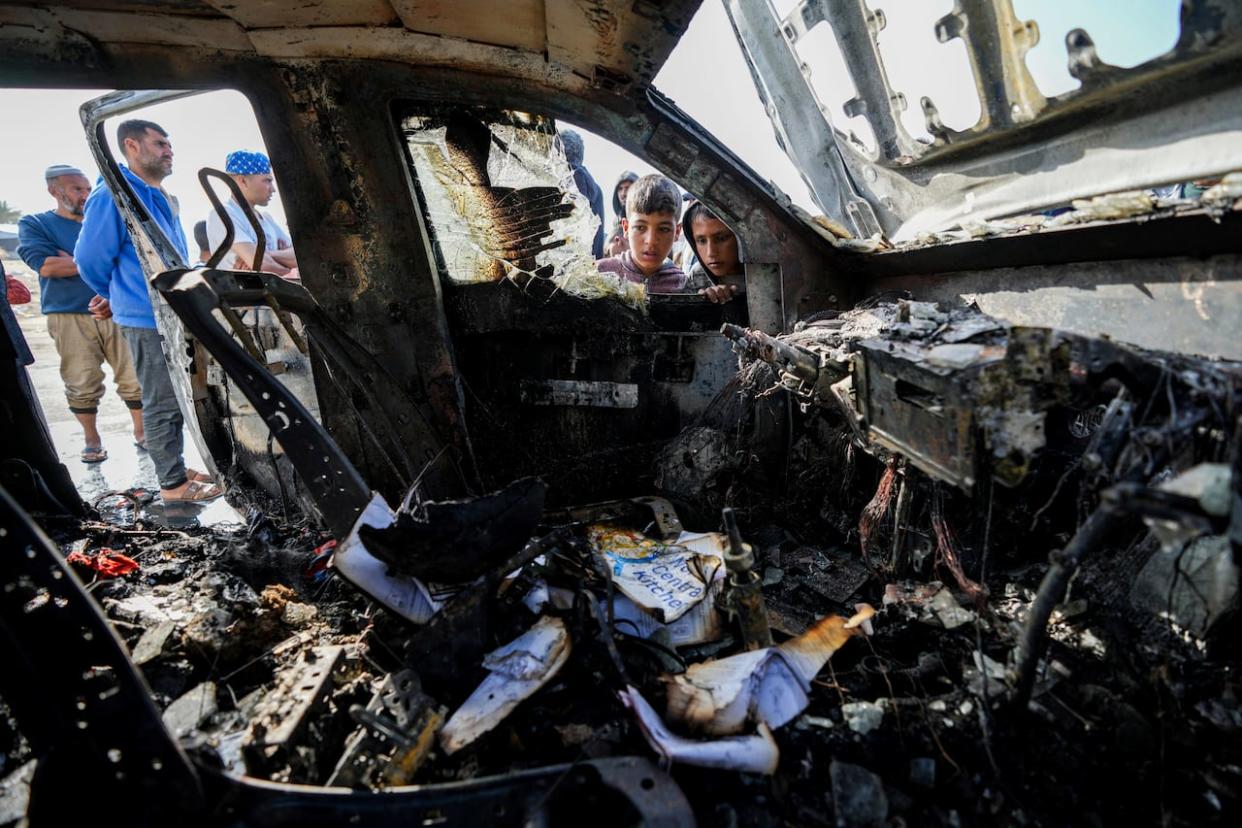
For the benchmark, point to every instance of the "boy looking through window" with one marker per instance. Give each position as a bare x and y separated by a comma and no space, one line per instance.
650,225
615,244
718,273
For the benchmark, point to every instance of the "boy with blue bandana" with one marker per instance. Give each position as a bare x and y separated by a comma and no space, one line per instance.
253,173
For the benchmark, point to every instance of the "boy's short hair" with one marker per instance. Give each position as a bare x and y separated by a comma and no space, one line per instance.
653,194
698,210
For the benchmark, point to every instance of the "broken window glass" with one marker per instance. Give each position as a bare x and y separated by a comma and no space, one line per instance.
500,201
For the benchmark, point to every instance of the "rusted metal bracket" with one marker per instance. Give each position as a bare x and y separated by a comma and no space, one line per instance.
856,29
339,492
396,731
997,43
282,716
806,135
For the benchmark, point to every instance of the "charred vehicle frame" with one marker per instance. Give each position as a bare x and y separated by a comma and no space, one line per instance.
1008,410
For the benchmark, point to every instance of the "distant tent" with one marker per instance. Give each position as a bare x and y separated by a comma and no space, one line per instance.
8,238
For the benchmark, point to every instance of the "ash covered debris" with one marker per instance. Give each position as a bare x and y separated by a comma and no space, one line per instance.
964,574
1069,491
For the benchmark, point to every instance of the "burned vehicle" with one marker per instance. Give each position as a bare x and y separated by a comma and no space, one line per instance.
938,523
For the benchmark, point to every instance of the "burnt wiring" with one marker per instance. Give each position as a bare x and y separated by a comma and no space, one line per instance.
1141,459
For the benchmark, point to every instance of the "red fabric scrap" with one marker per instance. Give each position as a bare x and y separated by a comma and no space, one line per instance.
18,293
318,568
108,562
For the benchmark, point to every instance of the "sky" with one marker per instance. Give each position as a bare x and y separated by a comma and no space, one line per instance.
48,131
706,75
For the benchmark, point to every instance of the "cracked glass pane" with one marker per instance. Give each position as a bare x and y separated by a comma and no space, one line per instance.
501,202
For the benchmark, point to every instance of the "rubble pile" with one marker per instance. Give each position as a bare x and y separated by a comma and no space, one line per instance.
981,575
1053,505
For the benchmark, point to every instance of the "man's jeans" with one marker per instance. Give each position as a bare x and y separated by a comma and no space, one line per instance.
161,416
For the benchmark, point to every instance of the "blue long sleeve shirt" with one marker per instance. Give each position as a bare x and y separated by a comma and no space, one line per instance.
47,234
105,253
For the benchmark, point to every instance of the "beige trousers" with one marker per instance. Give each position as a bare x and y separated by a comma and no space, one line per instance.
84,345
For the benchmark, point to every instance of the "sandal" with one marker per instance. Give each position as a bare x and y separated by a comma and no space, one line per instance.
141,494
94,454
201,477
196,492
141,445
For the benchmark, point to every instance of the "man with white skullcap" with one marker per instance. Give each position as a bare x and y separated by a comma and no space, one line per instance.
79,321
253,173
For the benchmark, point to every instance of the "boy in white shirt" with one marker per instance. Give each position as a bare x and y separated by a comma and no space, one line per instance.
253,173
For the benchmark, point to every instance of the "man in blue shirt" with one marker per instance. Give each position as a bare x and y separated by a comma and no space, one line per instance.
77,319
108,263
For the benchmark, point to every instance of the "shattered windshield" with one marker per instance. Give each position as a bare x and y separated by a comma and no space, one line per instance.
501,202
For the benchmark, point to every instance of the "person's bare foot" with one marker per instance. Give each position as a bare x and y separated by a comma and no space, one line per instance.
140,431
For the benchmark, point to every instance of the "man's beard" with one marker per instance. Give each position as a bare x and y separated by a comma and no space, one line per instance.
156,168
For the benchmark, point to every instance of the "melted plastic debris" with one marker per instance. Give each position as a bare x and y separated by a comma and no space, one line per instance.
1107,208
405,595
1002,227
1226,194
874,244
748,754
770,685
518,669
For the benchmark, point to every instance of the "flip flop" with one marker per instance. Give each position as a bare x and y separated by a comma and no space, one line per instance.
142,495
196,492
94,454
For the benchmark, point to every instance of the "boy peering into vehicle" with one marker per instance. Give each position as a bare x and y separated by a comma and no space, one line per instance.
615,244
650,225
718,273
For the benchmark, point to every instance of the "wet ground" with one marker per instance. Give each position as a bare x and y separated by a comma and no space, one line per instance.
127,466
